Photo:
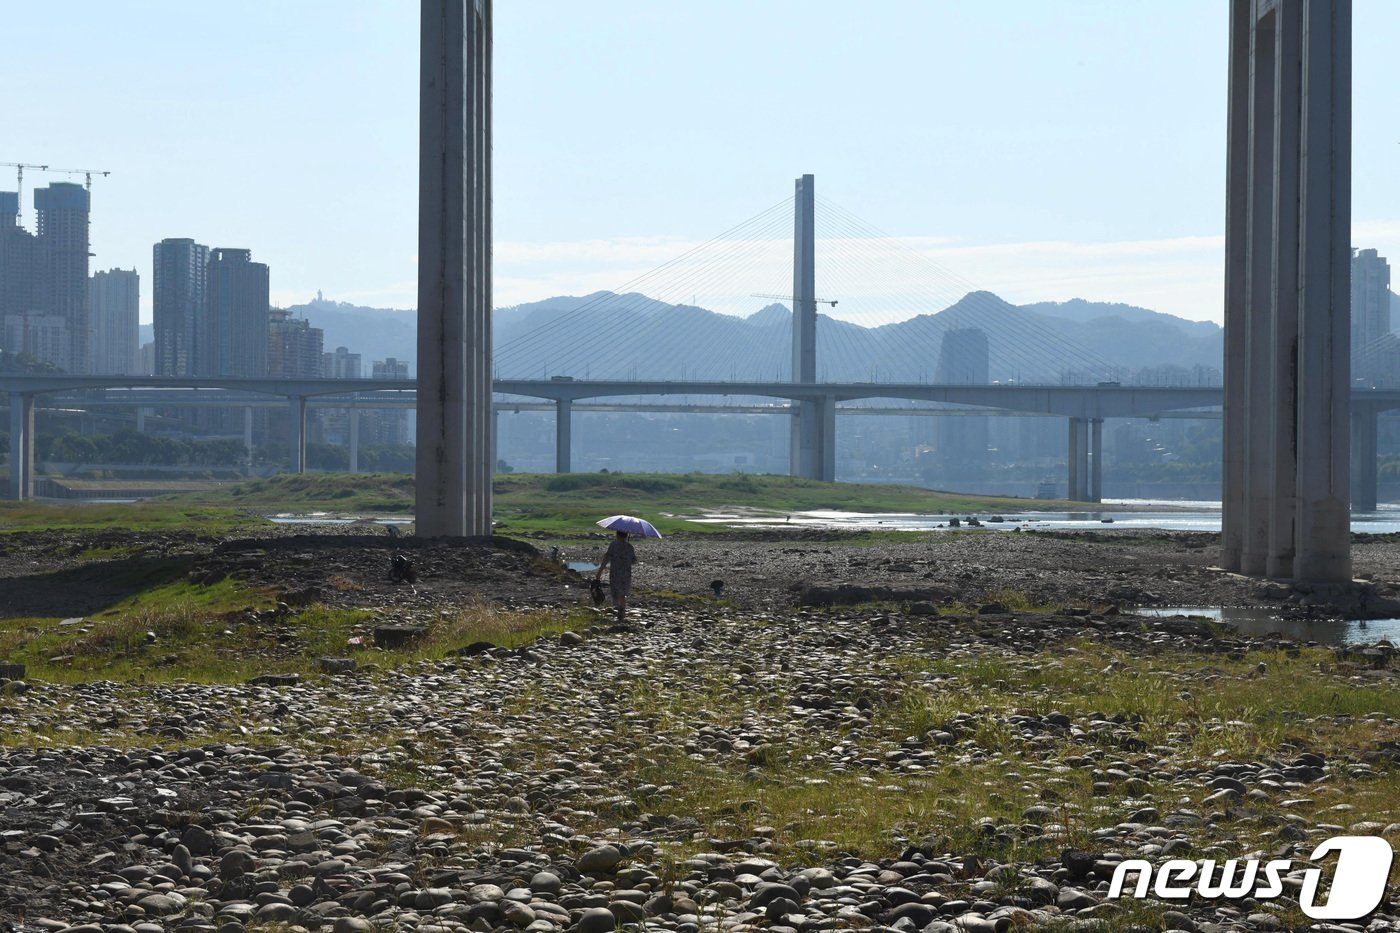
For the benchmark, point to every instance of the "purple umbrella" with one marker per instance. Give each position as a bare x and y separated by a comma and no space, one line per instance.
630,524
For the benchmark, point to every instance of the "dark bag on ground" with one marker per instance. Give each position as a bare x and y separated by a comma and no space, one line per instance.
401,569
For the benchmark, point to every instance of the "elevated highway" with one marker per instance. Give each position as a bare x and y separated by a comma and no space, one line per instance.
1084,406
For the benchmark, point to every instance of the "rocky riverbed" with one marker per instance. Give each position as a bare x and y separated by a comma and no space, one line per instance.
914,733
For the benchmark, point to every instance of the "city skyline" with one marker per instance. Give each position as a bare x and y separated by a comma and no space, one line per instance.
1040,150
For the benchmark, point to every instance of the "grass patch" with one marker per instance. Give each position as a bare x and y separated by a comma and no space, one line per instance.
225,633
572,502
1204,707
154,515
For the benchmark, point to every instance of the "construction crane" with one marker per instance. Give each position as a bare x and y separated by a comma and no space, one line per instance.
87,173
820,301
19,168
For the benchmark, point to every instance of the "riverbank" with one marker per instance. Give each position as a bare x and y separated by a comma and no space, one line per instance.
255,729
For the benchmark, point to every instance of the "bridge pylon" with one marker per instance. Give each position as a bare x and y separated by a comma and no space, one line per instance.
814,422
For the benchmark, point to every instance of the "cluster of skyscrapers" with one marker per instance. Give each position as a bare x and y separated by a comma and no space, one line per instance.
212,313
49,306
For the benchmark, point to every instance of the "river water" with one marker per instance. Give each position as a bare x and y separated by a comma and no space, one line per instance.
1145,514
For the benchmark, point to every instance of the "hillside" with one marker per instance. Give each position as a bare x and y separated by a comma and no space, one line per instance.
607,335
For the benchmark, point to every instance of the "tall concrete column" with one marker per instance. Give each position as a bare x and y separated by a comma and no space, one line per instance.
248,434
1077,455
1323,387
826,419
21,446
296,434
1236,369
806,426
141,420
354,440
1363,457
1287,314
453,469
1095,456
563,435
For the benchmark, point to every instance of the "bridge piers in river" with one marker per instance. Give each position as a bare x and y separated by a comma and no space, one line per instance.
1287,496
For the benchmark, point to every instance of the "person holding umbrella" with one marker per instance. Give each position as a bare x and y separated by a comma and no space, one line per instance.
620,557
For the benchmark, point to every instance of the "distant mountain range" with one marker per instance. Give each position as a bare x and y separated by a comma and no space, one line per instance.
606,335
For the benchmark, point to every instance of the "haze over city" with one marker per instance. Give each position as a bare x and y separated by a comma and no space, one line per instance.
627,132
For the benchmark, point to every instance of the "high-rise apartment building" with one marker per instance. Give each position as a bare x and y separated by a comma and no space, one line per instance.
964,358
388,428
294,347
1370,298
389,369
114,297
19,262
44,308
238,306
342,364
62,212
178,296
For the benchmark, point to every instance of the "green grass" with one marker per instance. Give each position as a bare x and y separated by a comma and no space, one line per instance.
573,501
1201,706
154,515
316,492
177,630
555,503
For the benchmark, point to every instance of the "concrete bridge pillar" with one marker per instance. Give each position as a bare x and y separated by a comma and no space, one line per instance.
248,434
1096,460
296,435
1364,465
1077,456
563,435
354,440
453,469
22,445
141,420
1287,291
826,439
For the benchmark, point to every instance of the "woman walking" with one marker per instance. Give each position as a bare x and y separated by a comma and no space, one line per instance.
619,557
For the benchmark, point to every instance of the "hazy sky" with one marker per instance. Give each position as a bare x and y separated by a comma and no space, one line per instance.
1042,149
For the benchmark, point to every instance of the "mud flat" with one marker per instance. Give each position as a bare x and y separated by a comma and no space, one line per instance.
940,732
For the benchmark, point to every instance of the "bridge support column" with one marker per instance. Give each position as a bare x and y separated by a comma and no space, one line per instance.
248,434
1363,458
1095,460
563,435
354,440
21,446
296,435
140,421
1287,291
826,438
453,469
1077,456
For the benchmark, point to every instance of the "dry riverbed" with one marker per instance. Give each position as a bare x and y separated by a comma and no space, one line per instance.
957,731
